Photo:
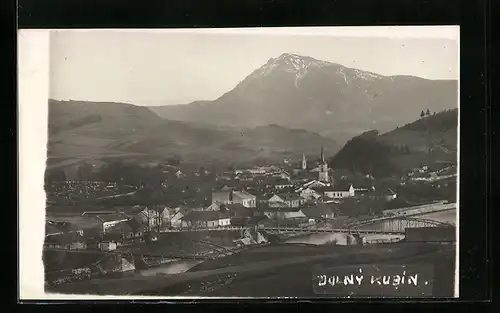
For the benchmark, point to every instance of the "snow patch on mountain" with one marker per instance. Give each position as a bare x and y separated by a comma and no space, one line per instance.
367,75
301,65
342,72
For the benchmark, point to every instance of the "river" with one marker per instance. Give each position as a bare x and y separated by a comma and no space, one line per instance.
175,267
182,266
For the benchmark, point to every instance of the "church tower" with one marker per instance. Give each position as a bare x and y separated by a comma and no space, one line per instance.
323,168
304,162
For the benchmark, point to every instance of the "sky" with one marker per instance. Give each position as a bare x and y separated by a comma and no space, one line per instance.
169,67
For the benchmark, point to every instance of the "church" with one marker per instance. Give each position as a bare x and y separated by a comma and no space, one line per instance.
322,169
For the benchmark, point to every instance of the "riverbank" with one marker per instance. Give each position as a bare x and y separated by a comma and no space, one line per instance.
273,270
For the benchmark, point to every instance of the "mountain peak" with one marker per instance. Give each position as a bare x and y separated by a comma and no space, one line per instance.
290,63
300,66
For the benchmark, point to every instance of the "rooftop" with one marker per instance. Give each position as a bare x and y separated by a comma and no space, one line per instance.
206,216
318,210
341,186
289,196
243,194
112,217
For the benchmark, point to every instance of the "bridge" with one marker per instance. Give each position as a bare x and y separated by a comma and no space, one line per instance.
317,230
385,225
395,224
421,209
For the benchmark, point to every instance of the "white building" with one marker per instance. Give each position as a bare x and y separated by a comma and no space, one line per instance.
289,200
309,194
111,220
245,198
340,191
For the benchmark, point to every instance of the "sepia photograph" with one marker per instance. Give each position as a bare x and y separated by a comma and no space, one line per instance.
272,162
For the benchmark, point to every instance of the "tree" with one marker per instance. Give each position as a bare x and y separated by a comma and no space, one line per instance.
427,112
422,114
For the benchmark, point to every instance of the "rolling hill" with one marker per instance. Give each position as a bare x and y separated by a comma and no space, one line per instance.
322,97
84,131
428,140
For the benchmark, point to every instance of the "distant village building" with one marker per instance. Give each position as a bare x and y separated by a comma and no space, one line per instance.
310,194
290,200
126,231
320,212
63,235
278,183
340,190
245,198
284,213
304,162
107,246
208,219
178,219
111,220
151,217
315,184
228,195
223,195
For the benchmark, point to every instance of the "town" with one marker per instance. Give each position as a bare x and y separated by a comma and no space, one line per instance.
124,216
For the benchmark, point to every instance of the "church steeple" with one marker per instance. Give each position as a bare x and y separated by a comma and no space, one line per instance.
323,168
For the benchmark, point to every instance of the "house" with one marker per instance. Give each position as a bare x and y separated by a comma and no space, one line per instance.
215,206
151,216
283,213
245,198
178,220
326,199
107,245
278,183
237,210
315,184
319,212
208,219
340,190
111,219
63,235
223,195
290,200
310,194
282,174
126,231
